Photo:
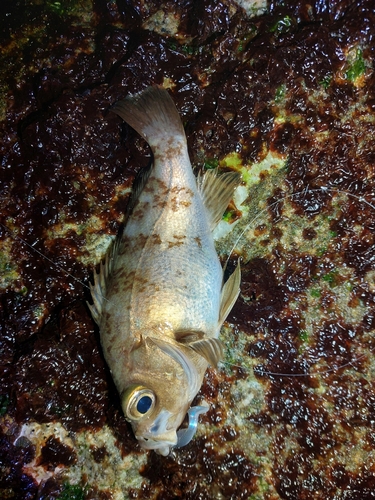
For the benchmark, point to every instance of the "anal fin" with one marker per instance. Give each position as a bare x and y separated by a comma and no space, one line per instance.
229,294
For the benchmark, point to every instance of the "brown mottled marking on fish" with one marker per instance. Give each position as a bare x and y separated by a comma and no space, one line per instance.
180,240
157,199
141,283
162,187
156,240
124,246
112,338
198,241
140,279
125,240
179,200
125,278
141,240
172,244
138,214
106,316
178,189
161,204
175,204
174,151
140,209
170,151
182,203
122,274
148,188
109,348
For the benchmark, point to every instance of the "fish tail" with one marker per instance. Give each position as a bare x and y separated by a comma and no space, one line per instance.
153,114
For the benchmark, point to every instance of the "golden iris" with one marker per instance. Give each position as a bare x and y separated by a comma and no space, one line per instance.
137,401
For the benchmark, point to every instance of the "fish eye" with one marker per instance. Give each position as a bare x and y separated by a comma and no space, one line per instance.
144,404
137,401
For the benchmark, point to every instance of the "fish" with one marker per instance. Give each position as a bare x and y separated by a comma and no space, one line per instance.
159,297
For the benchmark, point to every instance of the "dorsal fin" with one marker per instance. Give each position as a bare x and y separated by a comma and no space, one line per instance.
229,294
216,192
98,290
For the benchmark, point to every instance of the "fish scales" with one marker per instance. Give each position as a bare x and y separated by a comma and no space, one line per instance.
162,243
159,298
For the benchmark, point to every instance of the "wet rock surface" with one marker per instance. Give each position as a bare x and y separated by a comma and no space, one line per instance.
287,98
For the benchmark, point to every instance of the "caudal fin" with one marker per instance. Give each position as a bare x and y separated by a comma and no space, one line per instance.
153,114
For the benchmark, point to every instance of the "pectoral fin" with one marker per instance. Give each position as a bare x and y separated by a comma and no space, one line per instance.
229,294
210,349
216,192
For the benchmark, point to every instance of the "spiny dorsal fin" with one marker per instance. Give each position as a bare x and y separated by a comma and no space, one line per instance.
98,290
229,294
211,349
216,192
153,114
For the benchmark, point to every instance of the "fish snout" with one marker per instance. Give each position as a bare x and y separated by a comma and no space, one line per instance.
160,443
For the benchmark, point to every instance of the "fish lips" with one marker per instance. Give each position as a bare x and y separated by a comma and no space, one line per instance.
161,443
157,435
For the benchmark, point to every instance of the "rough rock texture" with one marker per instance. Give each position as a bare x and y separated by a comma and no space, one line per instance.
287,99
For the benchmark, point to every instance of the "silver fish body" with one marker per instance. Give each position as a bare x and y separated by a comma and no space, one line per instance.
159,298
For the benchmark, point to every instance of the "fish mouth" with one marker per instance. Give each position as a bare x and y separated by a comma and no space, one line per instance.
160,444
163,443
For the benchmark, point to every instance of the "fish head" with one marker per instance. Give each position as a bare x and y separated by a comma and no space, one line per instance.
150,417
156,402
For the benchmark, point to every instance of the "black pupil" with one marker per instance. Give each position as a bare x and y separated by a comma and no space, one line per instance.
144,404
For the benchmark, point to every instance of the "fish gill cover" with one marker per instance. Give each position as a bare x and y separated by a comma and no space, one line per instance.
286,98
